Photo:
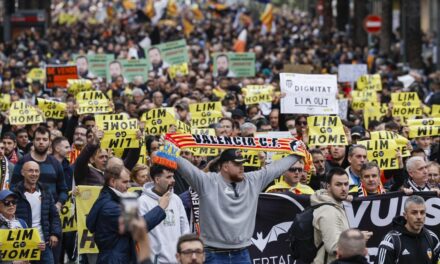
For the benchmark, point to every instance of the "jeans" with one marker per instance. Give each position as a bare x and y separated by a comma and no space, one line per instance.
46,257
232,257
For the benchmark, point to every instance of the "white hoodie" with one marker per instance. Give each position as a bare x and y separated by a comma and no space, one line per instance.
163,238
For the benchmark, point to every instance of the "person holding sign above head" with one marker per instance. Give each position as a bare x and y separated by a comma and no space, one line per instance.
36,207
227,228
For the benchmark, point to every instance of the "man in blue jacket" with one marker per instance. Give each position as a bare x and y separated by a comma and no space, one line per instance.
36,206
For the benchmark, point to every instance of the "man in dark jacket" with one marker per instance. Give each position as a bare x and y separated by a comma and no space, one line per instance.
351,248
36,206
410,242
103,219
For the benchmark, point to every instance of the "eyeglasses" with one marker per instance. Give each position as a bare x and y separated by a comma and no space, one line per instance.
189,252
302,123
10,203
296,170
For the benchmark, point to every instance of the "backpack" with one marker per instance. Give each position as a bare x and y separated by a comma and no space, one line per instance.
397,243
301,235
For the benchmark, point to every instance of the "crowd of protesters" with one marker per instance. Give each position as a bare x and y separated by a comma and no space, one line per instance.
42,163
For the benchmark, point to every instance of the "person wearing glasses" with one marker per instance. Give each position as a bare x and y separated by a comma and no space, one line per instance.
8,206
291,181
36,206
190,250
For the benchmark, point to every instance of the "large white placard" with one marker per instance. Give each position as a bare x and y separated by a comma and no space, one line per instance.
313,94
351,72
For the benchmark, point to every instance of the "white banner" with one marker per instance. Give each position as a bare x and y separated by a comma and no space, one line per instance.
313,94
351,72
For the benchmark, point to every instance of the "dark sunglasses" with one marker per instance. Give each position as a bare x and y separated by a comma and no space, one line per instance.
302,123
296,170
9,203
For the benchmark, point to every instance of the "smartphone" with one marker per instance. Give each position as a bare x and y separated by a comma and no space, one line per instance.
129,208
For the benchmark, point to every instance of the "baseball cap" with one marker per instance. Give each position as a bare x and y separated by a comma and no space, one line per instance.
231,155
357,131
237,113
6,193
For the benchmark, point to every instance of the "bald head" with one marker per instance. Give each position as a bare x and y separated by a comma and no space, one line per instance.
30,172
115,162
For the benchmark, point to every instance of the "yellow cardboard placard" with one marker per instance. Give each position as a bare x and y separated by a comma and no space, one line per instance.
374,113
23,114
383,152
75,86
364,96
204,114
93,102
5,102
435,110
67,215
20,244
158,120
252,158
326,130
84,202
401,141
52,109
120,134
369,82
426,127
178,69
408,99
255,94
36,74
99,119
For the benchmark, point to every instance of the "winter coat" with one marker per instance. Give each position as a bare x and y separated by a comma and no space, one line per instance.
328,222
50,219
103,221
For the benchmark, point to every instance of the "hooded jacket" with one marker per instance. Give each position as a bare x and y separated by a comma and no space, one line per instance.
328,222
163,237
103,221
414,248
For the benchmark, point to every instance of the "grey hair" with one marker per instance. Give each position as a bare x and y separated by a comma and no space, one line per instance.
370,165
415,199
410,163
138,91
351,243
247,126
353,147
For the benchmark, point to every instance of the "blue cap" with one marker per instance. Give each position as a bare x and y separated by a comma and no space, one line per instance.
5,194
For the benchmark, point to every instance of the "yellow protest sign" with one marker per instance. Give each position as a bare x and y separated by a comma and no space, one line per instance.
326,130
204,152
204,114
120,134
255,94
143,154
67,216
36,74
158,120
424,127
74,86
374,113
92,102
99,119
252,158
23,114
178,70
182,127
19,244
409,99
364,96
369,82
359,105
401,141
435,110
84,202
383,152
407,112
5,102
52,109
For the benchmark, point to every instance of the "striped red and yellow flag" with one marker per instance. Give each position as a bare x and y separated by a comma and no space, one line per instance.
188,27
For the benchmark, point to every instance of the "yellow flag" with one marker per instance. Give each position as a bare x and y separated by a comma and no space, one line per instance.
267,17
